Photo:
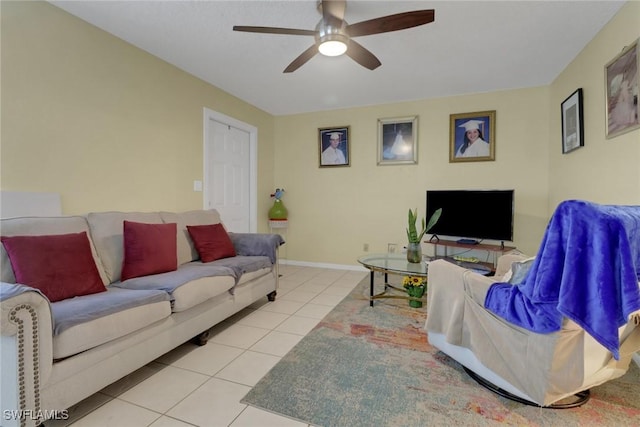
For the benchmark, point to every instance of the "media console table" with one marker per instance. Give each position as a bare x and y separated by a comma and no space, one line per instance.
496,250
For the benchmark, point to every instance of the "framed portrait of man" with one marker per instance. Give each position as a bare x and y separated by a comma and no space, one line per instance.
333,146
472,137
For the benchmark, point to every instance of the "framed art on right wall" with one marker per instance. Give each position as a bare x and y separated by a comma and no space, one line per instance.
621,82
572,125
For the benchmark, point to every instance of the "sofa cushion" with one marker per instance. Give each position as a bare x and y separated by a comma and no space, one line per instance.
211,241
60,265
200,290
85,322
107,235
186,250
38,226
186,286
148,249
241,266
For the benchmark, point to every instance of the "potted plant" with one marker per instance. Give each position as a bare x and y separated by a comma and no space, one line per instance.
414,250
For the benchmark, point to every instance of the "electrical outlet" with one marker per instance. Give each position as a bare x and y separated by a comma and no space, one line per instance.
365,247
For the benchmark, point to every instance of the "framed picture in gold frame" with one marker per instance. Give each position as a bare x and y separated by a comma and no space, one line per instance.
621,82
472,136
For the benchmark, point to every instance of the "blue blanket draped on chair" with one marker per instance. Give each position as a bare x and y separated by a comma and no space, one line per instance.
587,269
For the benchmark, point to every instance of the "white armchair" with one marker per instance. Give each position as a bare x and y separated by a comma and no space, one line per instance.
539,369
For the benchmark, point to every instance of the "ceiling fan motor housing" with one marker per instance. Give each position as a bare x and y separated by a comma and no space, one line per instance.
328,32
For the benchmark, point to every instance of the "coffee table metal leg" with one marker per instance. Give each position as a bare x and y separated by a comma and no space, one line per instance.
371,289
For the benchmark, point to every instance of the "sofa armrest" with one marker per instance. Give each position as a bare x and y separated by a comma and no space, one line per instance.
257,244
505,261
26,351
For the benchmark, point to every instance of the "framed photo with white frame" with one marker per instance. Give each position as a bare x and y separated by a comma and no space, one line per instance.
398,141
621,82
572,122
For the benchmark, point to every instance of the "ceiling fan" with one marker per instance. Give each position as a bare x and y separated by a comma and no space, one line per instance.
334,36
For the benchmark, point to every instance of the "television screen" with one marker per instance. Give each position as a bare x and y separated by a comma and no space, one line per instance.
476,214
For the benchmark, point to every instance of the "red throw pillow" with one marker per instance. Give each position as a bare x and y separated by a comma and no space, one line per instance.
211,241
149,249
61,266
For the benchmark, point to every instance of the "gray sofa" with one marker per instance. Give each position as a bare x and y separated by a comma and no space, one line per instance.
55,354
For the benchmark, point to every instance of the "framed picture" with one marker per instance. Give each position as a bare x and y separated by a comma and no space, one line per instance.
398,141
621,81
333,146
472,137
572,124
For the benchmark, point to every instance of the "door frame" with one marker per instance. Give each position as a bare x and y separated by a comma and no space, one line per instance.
253,161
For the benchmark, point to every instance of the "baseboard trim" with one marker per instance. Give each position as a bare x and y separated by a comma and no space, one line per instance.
323,265
636,358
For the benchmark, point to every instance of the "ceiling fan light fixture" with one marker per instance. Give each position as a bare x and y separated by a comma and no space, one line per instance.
333,35
332,48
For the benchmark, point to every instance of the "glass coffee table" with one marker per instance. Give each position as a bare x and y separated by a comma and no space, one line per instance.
391,263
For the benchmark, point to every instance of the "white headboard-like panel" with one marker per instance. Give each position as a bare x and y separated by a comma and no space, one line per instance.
25,203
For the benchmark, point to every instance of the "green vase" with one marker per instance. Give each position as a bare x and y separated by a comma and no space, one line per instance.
414,252
416,292
278,210
415,304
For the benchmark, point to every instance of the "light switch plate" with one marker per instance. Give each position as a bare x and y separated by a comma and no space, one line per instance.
197,185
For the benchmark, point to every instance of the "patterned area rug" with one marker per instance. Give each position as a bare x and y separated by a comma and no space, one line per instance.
364,366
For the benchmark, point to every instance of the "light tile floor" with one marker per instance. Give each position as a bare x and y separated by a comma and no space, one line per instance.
203,386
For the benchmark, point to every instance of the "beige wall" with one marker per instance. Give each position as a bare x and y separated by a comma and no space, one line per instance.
109,127
604,170
104,124
334,211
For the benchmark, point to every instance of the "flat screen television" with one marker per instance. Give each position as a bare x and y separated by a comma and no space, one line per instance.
472,214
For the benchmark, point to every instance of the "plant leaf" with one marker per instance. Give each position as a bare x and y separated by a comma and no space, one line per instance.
434,219
412,234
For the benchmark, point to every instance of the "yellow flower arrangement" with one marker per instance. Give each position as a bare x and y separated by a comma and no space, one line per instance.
413,281
415,286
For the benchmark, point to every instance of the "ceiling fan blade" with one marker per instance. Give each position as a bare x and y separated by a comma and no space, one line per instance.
362,56
385,24
302,59
333,10
274,30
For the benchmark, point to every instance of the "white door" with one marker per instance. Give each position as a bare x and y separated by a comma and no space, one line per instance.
229,171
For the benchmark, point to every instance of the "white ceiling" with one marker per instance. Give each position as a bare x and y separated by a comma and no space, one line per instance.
471,47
